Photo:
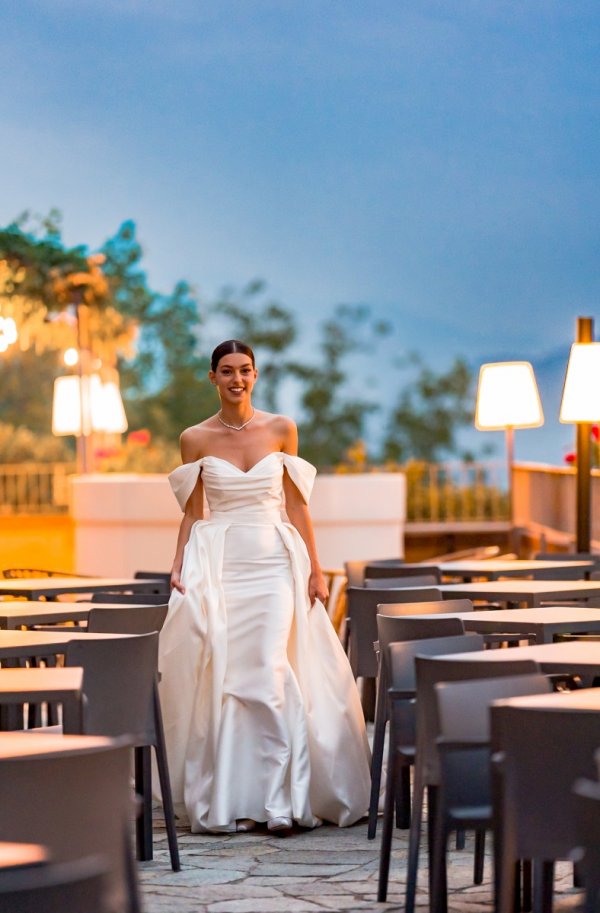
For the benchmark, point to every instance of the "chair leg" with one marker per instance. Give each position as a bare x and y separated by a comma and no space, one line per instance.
368,698
377,759
134,904
403,798
440,894
460,838
165,785
414,837
479,857
543,886
143,787
527,881
388,825
438,899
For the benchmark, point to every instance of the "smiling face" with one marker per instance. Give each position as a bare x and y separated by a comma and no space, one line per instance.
234,378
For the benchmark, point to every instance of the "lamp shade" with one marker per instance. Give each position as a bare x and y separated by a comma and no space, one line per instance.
84,404
507,397
581,391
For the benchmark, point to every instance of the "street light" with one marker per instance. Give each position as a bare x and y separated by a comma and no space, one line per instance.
581,405
508,398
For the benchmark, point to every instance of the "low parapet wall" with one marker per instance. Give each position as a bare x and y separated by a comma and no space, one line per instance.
129,522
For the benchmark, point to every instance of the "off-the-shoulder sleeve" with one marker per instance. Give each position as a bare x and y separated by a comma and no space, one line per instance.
301,473
183,480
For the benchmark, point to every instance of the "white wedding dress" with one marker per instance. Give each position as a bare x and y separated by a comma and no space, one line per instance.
262,716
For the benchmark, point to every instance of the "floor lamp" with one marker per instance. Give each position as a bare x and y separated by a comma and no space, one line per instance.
581,405
508,398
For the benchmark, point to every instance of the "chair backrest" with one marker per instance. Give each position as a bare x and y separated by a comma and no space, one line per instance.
543,751
401,582
163,576
438,607
80,806
131,620
464,708
381,571
362,612
131,598
433,669
401,656
355,572
77,887
118,685
395,628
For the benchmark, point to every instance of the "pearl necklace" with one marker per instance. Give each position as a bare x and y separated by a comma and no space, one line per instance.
235,427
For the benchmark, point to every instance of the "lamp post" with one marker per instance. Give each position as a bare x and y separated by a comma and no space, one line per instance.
508,398
581,404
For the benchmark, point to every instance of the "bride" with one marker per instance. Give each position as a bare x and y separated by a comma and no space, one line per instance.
262,717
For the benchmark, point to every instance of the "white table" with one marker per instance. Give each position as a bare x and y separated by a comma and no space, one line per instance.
49,587
531,592
494,568
544,622
24,613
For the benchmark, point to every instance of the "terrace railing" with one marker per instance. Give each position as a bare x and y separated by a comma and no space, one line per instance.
456,492
34,488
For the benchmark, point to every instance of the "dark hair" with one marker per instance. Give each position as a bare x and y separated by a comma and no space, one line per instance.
227,348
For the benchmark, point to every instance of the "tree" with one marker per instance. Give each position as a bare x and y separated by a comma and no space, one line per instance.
430,410
331,421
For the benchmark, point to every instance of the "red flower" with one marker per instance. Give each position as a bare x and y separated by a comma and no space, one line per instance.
141,437
596,432
571,458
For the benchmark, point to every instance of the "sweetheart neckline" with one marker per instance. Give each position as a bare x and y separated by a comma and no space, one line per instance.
244,472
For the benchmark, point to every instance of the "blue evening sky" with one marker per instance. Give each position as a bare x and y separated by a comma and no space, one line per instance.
435,160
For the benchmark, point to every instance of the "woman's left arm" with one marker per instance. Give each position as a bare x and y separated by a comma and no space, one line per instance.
299,516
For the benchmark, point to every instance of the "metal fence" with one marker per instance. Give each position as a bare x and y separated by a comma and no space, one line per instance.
455,492
34,488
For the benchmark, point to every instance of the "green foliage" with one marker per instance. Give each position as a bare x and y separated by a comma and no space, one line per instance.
430,410
332,421
20,445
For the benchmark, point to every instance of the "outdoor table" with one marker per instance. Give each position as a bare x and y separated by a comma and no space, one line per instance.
581,699
544,622
576,657
20,644
25,686
49,587
494,568
531,592
21,855
25,613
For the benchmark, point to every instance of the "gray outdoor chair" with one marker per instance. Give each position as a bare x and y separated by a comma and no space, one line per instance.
535,802
121,697
587,822
75,887
393,629
77,805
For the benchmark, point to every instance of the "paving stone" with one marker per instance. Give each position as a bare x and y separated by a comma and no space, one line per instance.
323,870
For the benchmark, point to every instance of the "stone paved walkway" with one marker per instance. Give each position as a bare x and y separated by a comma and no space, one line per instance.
305,872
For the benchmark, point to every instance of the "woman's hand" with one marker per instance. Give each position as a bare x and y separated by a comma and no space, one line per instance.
176,583
317,588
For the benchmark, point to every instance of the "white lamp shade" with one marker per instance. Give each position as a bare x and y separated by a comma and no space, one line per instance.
507,397
99,409
112,418
581,392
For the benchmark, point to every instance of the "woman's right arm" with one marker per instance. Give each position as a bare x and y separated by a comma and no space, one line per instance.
194,510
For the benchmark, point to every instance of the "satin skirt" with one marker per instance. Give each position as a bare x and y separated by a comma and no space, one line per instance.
262,716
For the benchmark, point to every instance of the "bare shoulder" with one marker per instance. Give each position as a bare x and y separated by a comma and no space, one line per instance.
195,441
284,429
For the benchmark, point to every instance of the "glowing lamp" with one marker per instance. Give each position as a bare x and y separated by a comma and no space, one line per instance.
507,397
82,405
581,391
